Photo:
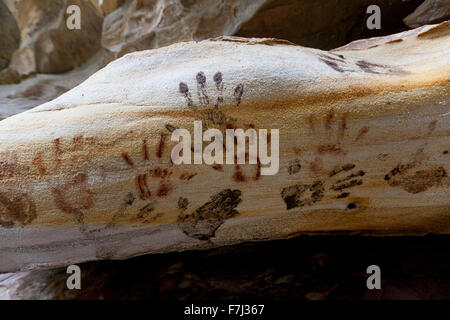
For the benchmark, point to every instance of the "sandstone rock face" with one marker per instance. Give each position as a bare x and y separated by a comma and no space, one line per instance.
326,24
143,24
431,11
9,35
363,148
47,45
136,25
107,6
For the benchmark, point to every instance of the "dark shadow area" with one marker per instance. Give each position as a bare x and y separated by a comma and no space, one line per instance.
326,24
306,267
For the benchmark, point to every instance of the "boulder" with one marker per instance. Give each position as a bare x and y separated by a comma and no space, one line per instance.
139,24
47,45
363,147
143,24
430,11
9,35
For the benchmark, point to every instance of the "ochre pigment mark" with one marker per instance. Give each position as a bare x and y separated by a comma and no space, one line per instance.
238,92
80,148
182,204
369,67
143,178
203,223
346,182
57,146
311,123
77,140
343,195
329,120
345,167
347,185
39,163
213,117
8,165
147,213
316,166
330,149
160,173
203,98
294,166
332,64
362,132
146,210
340,65
127,159
432,126
16,208
164,189
218,79
127,201
161,145
142,187
415,180
301,195
201,88
337,136
356,174
258,170
170,127
238,175
74,195
187,176
145,149
343,125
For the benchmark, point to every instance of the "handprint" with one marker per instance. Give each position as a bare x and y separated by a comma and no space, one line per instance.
202,91
17,208
159,174
331,174
416,176
72,193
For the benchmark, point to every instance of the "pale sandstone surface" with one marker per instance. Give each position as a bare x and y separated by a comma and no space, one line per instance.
363,148
9,35
135,25
47,46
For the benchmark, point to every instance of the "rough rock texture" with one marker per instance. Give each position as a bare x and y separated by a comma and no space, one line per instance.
101,181
47,45
141,24
138,24
9,35
377,41
41,88
431,11
324,24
